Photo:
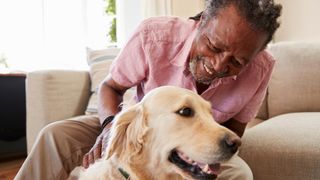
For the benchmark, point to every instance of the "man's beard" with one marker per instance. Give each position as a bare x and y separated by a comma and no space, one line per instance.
193,69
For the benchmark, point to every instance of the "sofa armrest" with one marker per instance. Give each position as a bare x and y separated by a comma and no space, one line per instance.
53,95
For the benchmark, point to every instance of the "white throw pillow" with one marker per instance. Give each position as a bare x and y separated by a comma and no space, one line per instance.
99,62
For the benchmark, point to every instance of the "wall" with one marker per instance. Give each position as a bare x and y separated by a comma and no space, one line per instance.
299,21
131,12
186,8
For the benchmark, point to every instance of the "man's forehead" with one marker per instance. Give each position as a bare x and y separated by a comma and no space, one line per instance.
238,49
233,33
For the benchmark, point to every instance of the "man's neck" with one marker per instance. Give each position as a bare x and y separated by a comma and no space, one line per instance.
201,87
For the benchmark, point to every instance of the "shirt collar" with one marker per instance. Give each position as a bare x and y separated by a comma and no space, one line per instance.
182,57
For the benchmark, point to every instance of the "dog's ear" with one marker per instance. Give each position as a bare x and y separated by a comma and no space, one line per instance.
128,131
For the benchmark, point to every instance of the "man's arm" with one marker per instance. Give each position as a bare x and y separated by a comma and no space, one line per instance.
235,126
110,95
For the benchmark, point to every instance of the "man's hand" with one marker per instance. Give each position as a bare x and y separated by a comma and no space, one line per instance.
110,95
98,148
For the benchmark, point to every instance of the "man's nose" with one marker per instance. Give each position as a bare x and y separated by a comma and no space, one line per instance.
221,66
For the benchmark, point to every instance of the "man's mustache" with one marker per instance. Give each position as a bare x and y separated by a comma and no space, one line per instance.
217,74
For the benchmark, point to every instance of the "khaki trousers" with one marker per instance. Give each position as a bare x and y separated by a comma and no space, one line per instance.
61,145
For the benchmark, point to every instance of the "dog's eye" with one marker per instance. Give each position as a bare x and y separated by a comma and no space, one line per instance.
187,112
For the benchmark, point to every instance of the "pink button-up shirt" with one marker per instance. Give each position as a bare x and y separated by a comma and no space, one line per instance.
157,54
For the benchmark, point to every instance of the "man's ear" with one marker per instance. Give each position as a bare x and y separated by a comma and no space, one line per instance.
127,132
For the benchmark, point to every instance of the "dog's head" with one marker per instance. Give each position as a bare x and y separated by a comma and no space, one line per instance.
172,129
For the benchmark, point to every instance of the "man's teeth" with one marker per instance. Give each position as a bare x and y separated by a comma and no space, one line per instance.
208,69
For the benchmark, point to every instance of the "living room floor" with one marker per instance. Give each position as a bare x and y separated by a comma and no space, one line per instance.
9,169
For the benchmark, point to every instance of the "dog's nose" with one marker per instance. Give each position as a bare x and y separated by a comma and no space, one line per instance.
231,143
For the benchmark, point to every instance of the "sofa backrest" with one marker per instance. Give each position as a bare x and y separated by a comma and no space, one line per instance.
295,82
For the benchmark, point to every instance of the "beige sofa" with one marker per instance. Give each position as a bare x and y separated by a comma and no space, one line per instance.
282,143
286,144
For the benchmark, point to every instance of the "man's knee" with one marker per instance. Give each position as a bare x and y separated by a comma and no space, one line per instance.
236,169
245,172
52,131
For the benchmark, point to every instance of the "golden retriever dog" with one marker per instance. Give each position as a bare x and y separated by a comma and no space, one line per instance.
170,134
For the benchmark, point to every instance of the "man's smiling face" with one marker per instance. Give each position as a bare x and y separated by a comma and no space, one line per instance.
223,46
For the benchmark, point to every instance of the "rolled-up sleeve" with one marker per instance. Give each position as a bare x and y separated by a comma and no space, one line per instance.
131,67
250,110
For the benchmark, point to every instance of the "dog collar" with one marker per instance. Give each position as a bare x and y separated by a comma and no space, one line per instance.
124,173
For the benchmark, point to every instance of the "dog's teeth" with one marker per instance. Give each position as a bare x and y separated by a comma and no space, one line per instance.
186,159
206,168
180,154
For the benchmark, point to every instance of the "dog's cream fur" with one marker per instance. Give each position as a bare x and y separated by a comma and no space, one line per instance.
143,136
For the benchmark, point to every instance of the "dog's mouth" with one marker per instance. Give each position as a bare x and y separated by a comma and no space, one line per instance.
195,169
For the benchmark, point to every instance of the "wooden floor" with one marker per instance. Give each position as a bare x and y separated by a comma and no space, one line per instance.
9,169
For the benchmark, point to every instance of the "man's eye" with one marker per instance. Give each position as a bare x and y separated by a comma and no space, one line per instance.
185,111
236,63
211,46
214,49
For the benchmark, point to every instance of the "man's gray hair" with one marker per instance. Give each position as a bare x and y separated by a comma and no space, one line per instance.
262,15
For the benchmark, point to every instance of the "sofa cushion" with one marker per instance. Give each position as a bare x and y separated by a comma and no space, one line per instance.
263,110
295,82
254,122
99,62
284,147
